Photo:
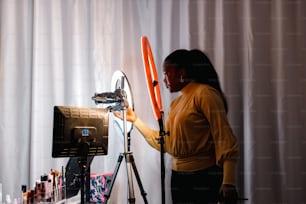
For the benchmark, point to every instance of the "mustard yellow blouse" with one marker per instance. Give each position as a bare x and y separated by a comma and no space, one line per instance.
200,134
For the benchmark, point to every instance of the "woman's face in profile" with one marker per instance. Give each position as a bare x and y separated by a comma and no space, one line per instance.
172,78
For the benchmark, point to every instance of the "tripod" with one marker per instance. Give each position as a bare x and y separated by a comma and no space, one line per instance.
130,165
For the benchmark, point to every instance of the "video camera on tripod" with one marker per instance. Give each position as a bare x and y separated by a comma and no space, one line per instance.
119,97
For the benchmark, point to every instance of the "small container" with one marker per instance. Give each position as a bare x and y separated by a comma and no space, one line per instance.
0,192
8,199
24,193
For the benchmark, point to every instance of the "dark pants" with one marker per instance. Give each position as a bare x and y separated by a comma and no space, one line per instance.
199,187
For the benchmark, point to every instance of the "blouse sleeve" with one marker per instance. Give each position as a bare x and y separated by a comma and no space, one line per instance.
150,135
226,145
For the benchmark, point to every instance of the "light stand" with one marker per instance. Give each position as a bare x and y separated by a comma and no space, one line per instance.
154,92
130,163
161,142
119,97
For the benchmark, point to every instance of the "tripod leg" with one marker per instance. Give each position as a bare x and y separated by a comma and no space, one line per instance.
130,178
107,195
143,193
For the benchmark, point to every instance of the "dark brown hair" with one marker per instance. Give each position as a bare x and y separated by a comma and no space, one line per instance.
198,68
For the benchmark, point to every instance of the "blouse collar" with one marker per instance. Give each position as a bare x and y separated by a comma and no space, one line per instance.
187,89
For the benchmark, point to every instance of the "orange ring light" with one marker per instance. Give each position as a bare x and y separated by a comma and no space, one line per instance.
152,83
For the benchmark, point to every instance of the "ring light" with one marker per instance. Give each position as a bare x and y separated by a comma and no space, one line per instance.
152,78
154,91
120,81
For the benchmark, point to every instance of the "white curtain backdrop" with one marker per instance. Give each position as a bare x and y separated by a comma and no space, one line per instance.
62,52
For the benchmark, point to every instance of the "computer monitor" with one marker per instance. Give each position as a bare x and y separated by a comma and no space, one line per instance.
80,131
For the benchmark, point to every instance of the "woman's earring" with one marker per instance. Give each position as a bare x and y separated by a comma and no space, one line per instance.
181,79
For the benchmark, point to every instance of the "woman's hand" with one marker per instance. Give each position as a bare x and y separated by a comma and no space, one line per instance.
130,115
228,194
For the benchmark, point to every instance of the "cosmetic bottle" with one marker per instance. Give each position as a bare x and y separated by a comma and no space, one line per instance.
8,199
0,192
44,187
24,194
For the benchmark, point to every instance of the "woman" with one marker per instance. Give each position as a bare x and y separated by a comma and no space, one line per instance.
203,147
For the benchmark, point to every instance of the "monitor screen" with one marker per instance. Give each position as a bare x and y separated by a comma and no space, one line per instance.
79,131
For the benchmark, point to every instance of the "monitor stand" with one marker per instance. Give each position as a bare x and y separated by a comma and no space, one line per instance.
73,176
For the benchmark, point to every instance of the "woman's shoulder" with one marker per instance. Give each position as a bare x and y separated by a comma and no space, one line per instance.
204,88
207,93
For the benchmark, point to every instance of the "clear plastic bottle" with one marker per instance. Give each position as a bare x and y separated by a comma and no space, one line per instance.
0,192
24,194
8,199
